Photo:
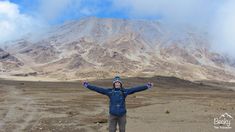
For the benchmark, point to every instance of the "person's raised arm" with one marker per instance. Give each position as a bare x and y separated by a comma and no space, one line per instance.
139,88
95,88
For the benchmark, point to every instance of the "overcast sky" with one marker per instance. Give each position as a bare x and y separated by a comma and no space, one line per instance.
217,17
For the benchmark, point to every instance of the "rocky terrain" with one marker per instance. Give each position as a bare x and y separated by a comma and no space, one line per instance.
94,48
8,61
172,105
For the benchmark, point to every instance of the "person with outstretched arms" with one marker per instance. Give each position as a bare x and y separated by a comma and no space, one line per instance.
117,103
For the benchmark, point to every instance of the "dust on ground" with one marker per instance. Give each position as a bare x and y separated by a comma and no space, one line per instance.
171,105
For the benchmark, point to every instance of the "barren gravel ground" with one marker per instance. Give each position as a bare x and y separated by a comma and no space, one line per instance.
172,105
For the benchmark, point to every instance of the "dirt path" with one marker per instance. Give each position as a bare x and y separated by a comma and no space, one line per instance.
37,108
17,110
67,106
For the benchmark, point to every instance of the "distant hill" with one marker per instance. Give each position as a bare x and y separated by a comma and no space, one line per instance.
101,48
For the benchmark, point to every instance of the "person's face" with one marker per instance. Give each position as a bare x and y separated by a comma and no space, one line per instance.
117,85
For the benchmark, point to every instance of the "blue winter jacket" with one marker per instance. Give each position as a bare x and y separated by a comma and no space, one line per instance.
117,96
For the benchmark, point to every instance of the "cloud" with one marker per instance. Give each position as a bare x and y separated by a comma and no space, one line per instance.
45,13
212,16
178,11
56,10
14,24
52,9
223,28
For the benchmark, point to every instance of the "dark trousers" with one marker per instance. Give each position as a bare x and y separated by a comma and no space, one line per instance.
114,120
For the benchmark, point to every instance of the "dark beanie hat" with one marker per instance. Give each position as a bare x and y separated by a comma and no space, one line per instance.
117,79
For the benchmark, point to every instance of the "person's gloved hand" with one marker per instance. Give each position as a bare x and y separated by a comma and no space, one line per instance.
149,85
85,84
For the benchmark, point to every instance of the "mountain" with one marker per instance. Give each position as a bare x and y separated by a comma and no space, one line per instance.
8,62
94,48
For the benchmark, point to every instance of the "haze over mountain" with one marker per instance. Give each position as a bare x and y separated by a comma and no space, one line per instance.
101,48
